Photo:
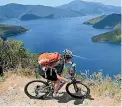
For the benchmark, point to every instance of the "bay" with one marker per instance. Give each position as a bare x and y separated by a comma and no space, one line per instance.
51,35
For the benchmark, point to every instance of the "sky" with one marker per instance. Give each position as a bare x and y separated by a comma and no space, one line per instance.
56,2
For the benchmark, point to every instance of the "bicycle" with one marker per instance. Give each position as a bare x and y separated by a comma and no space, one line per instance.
78,89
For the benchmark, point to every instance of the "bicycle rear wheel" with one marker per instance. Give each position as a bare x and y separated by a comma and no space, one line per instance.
36,89
77,89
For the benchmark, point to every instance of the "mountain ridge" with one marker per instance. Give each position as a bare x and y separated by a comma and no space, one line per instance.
110,21
18,10
73,9
90,7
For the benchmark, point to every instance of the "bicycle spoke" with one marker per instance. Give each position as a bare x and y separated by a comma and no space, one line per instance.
38,90
77,89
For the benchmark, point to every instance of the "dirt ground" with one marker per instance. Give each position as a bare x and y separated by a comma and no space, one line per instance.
12,94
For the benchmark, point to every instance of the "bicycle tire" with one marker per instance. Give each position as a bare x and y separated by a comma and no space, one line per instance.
75,96
35,97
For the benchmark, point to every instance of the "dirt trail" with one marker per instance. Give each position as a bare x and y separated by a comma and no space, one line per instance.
12,94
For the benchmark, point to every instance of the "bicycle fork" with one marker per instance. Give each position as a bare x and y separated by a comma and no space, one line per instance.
75,87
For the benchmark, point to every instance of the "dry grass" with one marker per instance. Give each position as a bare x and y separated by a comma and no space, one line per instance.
99,86
105,87
27,72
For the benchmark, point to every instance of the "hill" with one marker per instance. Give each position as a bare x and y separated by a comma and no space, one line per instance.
111,37
88,8
35,17
30,17
18,10
112,21
109,21
73,9
95,20
105,21
10,30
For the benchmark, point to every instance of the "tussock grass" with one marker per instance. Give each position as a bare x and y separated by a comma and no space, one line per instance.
105,86
28,72
101,86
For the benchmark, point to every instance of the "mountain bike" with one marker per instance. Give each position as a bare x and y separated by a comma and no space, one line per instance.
38,89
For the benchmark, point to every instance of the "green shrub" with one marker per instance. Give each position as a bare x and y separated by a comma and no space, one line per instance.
13,54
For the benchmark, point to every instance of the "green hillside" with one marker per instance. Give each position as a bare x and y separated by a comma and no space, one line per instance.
105,21
94,20
118,26
10,30
109,21
112,37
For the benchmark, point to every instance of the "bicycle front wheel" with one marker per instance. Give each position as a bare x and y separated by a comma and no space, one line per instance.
77,89
36,89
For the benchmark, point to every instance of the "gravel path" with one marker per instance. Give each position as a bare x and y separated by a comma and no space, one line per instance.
12,94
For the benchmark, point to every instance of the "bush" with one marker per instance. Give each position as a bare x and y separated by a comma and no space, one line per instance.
13,54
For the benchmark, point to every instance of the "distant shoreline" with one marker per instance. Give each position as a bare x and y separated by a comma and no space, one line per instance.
10,30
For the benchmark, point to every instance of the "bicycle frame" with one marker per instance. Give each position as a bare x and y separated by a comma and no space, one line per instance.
72,78
48,88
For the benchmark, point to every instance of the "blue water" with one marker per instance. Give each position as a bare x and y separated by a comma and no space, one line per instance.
69,33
